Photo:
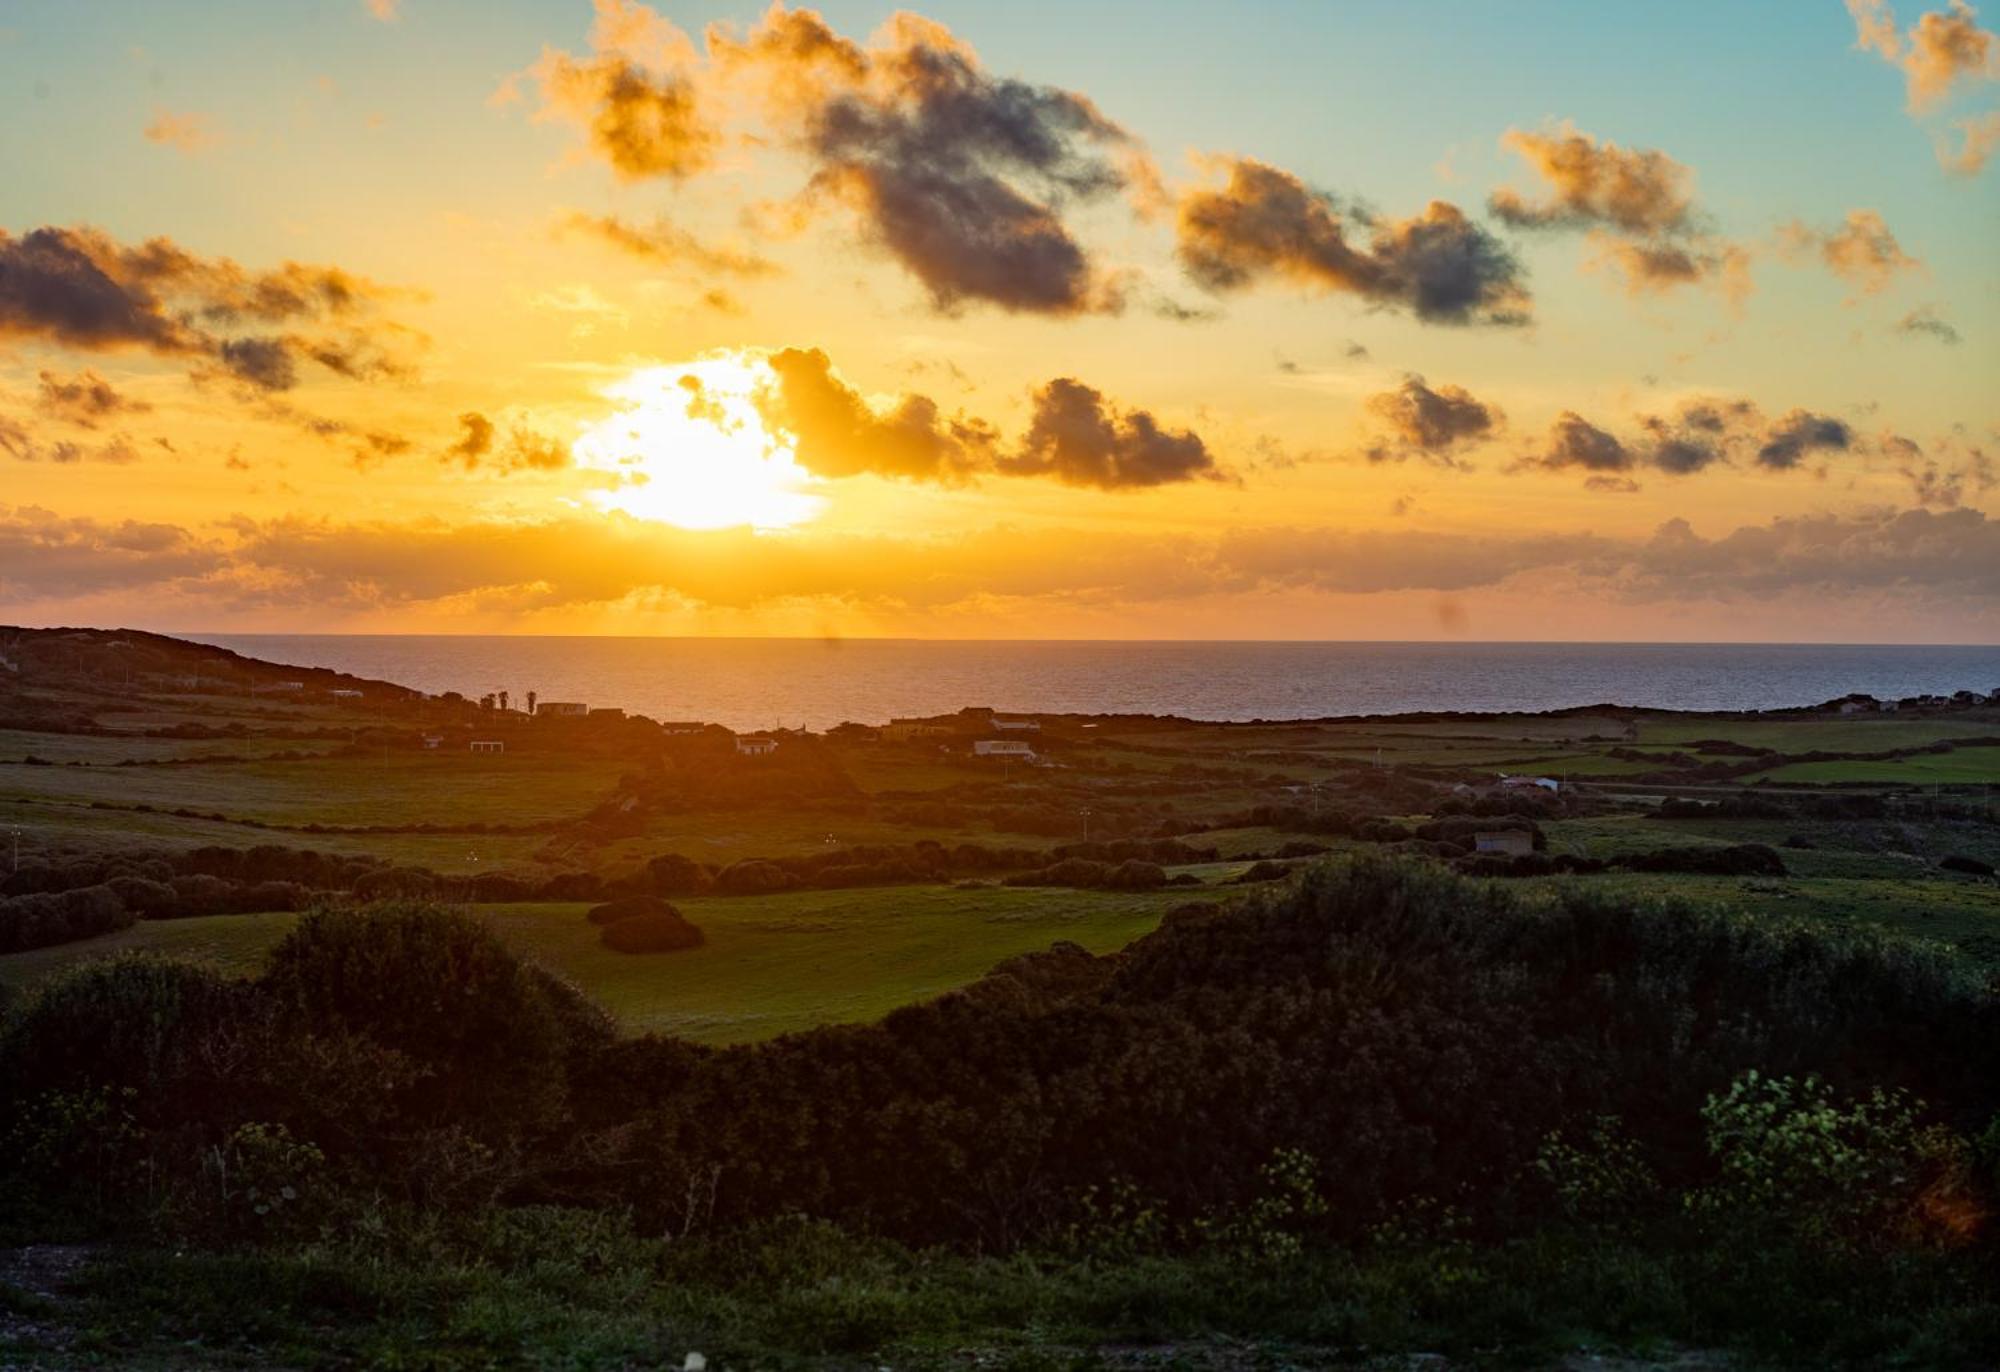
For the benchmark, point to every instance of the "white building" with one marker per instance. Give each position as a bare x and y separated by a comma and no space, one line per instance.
756,745
1523,783
1030,726
1003,747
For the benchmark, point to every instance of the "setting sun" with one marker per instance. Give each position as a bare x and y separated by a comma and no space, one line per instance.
689,447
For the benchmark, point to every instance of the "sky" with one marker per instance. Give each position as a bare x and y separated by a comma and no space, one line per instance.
1555,321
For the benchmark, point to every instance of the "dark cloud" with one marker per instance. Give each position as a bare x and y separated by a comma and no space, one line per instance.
960,176
1945,482
86,400
1925,323
1263,223
839,435
482,447
668,244
1575,443
1799,434
80,289
1430,423
1080,440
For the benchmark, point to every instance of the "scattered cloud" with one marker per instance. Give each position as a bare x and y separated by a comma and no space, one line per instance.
838,434
86,399
1924,322
1862,251
1942,50
669,245
1801,433
1080,439
1263,223
1701,433
1635,205
1434,424
188,133
482,447
78,288
1977,138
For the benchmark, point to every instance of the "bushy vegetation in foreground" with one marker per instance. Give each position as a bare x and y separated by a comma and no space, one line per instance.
1386,1108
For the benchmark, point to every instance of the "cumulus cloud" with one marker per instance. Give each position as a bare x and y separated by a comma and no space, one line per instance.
1800,434
1700,433
1080,439
1862,251
1942,50
960,176
1924,322
838,434
86,399
188,134
1636,205
635,95
78,288
669,245
1263,223
1432,423
1638,192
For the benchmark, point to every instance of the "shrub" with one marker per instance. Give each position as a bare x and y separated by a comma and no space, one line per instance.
664,932
1739,860
1971,866
752,877
1134,874
131,1021
675,875
44,919
434,984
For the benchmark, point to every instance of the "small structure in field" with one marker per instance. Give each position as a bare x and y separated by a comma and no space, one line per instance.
756,745
432,741
1550,784
487,745
1004,747
908,730
1504,842
344,693
1023,726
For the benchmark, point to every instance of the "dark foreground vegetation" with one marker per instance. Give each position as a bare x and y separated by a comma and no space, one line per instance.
1383,1108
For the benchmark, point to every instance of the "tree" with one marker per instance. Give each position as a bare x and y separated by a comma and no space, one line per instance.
531,702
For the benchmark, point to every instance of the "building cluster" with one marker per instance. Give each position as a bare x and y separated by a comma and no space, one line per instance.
1860,703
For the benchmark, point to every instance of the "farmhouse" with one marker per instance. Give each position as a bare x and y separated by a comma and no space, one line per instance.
1508,783
1003,747
486,745
756,745
1859,705
904,730
1017,725
563,709
1506,842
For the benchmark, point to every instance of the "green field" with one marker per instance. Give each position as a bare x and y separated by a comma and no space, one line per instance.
1959,767
772,965
387,789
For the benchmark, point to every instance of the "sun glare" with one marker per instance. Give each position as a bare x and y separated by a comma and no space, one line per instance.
688,446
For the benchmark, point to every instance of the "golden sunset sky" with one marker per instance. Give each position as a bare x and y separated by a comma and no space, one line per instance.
1104,320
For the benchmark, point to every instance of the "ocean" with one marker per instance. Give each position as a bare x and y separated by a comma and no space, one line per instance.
812,683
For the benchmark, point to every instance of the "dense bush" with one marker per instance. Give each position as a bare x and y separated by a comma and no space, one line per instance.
435,985
752,877
1971,866
657,931
43,919
1736,860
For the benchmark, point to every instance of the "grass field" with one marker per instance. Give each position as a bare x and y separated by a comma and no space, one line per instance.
399,788
771,965
1959,767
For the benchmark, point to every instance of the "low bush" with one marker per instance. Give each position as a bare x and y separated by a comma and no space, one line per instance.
663,931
